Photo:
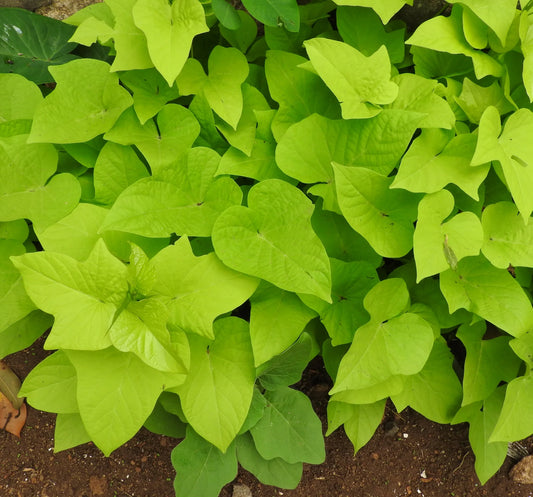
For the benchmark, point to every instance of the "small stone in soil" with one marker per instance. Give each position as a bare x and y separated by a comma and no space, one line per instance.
241,491
522,471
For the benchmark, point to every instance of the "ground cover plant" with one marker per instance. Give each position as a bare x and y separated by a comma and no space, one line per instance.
199,199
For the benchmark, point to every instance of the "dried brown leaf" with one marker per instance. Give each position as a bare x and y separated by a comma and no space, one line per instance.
12,420
10,385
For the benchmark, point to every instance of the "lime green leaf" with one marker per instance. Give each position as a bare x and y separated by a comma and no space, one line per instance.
165,423
513,149
488,362
244,135
523,347
130,42
161,144
434,161
508,240
526,38
498,15
436,65
384,217
363,29
26,190
116,393
198,288
445,34
475,30
369,395
85,153
275,472
116,168
51,385
69,432
44,205
340,240
94,24
439,245
289,416
376,353
245,35
482,417
360,83
286,368
435,391
489,455
217,393
514,422
384,8
228,69
14,302
474,99
82,296
257,408
15,127
360,421
76,234
418,94
21,334
351,282
201,469
141,328
271,12
299,93
259,165
17,230
119,244
278,38
209,134
18,97
307,149
182,198
226,14
86,102
489,292
277,318
169,31
150,92
142,278
427,292
277,223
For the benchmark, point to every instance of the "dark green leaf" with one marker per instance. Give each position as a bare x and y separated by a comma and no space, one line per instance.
29,43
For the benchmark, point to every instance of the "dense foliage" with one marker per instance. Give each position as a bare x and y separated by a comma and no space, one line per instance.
199,200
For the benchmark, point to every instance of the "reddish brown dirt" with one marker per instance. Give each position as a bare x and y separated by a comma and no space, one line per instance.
421,459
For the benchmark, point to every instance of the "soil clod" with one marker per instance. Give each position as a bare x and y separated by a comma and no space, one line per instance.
522,471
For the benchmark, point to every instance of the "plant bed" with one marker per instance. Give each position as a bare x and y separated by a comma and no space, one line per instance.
390,464
200,203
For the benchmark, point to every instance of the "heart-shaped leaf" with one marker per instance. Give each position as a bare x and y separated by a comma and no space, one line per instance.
272,238
86,103
218,391
169,31
383,216
361,84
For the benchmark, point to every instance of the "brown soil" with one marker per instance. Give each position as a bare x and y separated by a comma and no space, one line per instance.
420,459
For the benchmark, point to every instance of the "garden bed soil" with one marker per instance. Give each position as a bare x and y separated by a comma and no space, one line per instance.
408,456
